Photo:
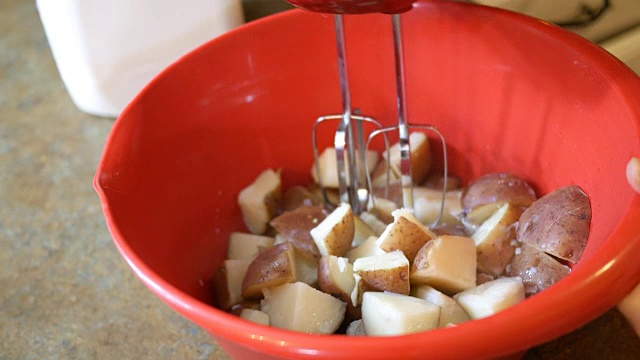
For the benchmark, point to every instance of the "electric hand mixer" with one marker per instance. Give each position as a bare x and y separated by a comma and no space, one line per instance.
354,179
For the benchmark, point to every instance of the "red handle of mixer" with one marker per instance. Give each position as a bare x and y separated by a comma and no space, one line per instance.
354,6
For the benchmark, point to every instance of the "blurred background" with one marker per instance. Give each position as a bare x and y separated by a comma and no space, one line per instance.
614,24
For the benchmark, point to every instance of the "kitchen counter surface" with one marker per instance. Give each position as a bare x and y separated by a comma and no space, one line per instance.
65,292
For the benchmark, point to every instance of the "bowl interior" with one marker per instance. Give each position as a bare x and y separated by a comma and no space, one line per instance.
508,92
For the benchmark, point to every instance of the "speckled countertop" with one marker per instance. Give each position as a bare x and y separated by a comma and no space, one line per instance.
65,292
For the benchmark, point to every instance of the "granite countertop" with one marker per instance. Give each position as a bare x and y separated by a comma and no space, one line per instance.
66,293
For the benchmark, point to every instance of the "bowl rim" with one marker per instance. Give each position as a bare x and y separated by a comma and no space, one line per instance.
609,269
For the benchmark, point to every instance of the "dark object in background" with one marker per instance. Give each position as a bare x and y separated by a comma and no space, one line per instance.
255,9
608,337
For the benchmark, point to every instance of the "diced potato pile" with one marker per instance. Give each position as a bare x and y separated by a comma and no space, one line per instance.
389,271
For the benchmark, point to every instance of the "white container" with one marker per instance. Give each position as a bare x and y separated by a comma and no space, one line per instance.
108,50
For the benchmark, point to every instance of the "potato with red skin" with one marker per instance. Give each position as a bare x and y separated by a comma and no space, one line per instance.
537,269
497,187
275,266
384,272
451,313
421,160
294,226
334,235
427,203
245,246
494,239
299,307
298,196
447,263
261,201
436,182
227,283
335,277
489,192
558,223
406,234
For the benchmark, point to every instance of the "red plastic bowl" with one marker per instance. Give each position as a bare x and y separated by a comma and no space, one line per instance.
510,93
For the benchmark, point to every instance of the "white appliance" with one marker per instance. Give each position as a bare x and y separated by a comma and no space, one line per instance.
107,51
614,24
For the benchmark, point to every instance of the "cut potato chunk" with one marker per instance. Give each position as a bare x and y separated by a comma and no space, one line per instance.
245,304
494,239
298,196
388,314
260,201
373,222
457,230
306,268
558,223
383,209
280,264
358,290
294,226
491,297
497,188
329,167
333,236
356,328
447,263
482,278
385,272
436,181
256,316
367,248
633,175
406,234
420,157
227,283
299,307
381,172
426,202
537,269
480,214
451,313
243,246
362,231
335,277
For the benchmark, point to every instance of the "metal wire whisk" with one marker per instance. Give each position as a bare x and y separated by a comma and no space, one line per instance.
349,140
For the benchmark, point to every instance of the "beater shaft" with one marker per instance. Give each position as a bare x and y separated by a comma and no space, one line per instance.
351,171
403,128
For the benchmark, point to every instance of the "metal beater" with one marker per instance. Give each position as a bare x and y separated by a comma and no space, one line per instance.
350,134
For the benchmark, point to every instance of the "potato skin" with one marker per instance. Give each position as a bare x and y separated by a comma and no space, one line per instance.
537,269
558,223
393,280
495,250
327,284
294,226
298,196
497,187
339,239
407,237
221,288
274,266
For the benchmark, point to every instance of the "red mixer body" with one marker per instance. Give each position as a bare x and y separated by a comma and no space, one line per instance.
354,6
